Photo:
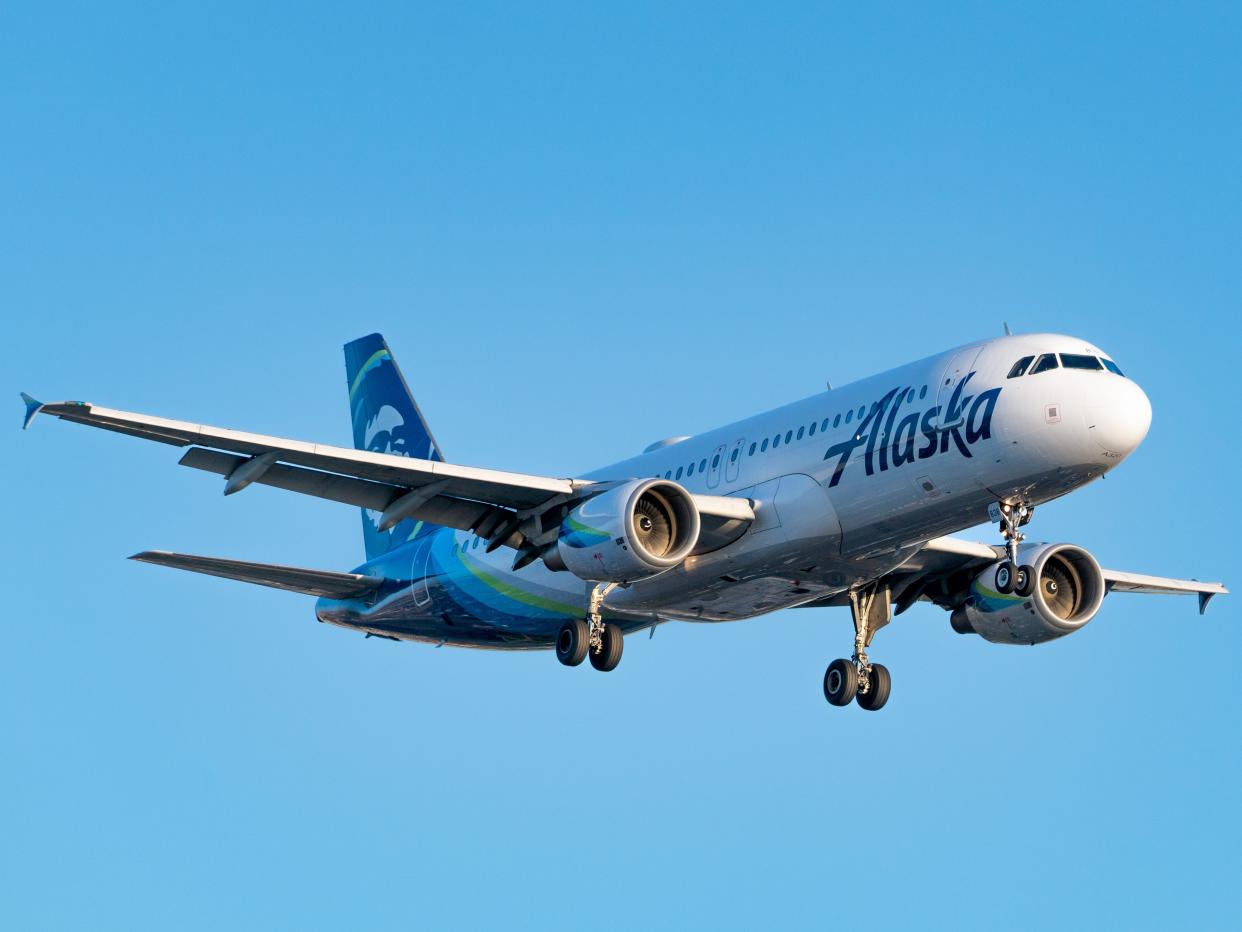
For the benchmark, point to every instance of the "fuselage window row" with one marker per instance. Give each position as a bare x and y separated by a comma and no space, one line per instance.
804,432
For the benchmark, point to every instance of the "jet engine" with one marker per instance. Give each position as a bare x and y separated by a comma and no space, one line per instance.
1055,590
630,532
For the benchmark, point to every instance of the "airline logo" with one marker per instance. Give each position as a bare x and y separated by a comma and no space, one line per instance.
892,438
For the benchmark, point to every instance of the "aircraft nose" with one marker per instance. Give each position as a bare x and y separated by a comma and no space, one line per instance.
1119,419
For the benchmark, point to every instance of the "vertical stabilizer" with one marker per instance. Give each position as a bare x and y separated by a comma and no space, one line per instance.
386,419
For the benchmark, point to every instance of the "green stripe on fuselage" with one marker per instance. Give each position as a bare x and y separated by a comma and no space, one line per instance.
510,591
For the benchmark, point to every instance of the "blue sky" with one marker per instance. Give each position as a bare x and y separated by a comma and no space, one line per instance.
583,230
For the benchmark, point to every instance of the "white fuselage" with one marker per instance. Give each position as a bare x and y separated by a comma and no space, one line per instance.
847,484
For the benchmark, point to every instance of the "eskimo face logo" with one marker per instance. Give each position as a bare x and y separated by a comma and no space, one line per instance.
385,432
891,442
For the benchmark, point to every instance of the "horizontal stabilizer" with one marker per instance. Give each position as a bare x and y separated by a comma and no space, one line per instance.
290,578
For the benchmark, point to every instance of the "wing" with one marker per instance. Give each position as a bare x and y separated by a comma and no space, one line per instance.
944,557
1158,585
289,578
506,508
946,564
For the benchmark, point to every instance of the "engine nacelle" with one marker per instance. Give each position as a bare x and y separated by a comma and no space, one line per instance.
1067,594
633,531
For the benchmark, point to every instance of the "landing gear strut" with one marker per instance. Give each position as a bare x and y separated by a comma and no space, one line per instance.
858,678
1010,577
591,637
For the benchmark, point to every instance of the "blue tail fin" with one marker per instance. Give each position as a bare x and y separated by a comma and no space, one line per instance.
386,420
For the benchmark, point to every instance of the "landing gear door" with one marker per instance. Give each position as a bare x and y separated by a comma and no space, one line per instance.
959,367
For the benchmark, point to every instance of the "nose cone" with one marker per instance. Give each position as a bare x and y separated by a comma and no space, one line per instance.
1119,418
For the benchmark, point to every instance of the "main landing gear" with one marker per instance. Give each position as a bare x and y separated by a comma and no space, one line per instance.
591,637
858,678
1010,577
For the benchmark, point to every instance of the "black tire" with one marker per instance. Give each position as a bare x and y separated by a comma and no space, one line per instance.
1025,583
572,642
881,685
609,654
840,682
1005,578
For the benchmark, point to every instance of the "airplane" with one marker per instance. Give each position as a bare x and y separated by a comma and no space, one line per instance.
844,498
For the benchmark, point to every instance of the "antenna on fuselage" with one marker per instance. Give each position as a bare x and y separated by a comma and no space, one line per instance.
1008,332
829,384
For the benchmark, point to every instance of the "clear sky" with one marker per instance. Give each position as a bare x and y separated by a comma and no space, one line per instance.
582,231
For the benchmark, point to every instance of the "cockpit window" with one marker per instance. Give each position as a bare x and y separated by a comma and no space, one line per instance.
1045,362
1076,361
1020,367
1112,367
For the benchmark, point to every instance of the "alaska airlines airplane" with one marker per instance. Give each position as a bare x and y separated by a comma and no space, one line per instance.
840,499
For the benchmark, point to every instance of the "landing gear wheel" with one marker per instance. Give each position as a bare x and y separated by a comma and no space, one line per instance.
840,682
572,642
881,684
1005,578
612,642
1024,585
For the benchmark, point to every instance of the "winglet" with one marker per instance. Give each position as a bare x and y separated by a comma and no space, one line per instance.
1204,599
33,407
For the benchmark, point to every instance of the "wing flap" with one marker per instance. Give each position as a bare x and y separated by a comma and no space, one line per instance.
289,578
446,512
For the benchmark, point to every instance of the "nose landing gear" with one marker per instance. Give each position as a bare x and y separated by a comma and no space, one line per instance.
592,636
1010,577
858,679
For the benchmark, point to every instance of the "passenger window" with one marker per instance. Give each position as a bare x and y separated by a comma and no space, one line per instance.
702,464
680,470
788,436
824,426
690,470
669,474
1020,367
733,458
776,441
923,392
763,448
1076,361
1046,362
909,396
849,415
836,421
752,450
1112,367
716,461
811,432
